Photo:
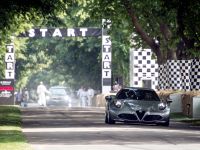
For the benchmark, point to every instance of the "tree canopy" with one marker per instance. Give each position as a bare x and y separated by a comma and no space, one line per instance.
169,28
19,15
72,61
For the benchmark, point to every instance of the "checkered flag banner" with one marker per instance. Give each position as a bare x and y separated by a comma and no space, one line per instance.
180,75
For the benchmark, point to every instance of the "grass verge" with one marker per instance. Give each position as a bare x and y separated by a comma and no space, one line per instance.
183,118
11,136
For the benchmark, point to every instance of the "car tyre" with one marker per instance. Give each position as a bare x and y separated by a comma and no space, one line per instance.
108,119
166,124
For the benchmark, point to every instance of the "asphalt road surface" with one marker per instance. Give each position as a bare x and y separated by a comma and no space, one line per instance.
57,128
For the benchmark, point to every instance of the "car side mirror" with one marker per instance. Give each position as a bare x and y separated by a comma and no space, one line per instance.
109,98
169,100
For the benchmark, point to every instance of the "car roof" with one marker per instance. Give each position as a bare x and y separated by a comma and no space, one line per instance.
138,88
58,87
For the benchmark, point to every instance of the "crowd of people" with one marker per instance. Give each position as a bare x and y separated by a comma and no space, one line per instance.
22,97
85,96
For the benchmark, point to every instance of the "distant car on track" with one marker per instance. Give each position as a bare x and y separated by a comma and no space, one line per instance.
59,96
137,105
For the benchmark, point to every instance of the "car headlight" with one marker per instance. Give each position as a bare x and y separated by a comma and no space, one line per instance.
162,106
118,103
66,98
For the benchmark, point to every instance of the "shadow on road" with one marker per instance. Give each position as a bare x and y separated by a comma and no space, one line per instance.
62,125
77,116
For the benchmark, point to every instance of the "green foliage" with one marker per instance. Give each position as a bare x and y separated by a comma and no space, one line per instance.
69,61
19,15
76,61
174,24
65,60
13,12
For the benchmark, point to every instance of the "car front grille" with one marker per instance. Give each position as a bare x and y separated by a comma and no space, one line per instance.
140,114
152,117
128,117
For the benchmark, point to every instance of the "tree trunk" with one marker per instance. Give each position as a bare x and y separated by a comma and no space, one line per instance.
171,53
150,41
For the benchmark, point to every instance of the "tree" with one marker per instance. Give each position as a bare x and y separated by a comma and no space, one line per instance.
169,28
73,61
13,11
18,15
79,59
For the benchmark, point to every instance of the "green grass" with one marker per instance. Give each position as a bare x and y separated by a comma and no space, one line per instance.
11,136
183,118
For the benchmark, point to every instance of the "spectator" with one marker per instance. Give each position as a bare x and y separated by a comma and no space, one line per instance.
18,98
25,97
41,91
79,92
90,95
83,97
116,87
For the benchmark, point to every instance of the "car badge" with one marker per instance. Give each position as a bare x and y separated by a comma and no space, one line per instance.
140,110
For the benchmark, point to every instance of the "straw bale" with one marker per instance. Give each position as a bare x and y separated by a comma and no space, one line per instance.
100,99
187,102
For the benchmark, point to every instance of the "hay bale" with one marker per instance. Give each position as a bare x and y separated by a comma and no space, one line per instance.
176,105
196,107
187,102
100,99
164,94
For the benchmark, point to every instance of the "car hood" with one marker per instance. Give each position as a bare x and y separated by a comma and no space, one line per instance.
142,105
61,97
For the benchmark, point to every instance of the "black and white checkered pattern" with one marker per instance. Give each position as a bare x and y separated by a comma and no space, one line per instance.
175,74
185,66
195,74
180,75
144,68
162,77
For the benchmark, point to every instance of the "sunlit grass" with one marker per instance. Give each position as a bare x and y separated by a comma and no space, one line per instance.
11,136
183,118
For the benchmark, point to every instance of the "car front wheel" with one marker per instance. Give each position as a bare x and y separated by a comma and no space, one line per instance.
108,119
166,124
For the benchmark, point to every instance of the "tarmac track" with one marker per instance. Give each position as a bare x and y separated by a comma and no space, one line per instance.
78,128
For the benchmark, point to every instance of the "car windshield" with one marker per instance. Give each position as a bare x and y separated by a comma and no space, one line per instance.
146,95
58,91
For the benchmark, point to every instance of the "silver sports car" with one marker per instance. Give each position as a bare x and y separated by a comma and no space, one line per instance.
59,96
139,105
